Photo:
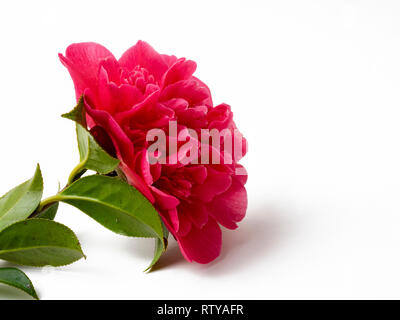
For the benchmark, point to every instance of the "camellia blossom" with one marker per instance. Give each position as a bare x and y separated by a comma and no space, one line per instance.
144,90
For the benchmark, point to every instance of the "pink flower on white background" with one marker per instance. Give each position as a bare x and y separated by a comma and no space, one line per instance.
145,90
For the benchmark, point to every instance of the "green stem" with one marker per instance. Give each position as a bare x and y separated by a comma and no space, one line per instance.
47,201
76,171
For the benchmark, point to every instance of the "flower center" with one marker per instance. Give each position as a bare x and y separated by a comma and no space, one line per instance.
139,77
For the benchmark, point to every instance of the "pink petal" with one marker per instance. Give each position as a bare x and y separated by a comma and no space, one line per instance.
143,166
180,70
229,207
193,117
185,224
177,104
215,184
174,220
202,245
103,99
197,174
113,69
167,205
195,211
164,200
143,106
155,170
189,90
82,61
242,178
122,144
136,181
142,54
220,117
208,102
124,96
169,60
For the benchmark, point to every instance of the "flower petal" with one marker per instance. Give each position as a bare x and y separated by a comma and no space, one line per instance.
83,61
185,224
143,55
195,211
136,181
169,60
164,200
103,139
229,207
208,102
216,183
189,90
202,245
180,70
220,117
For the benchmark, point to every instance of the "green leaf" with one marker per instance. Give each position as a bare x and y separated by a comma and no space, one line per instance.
49,212
19,203
160,247
39,242
17,279
78,113
92,156
114,204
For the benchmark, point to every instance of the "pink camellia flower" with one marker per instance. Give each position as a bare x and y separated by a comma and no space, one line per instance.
127,98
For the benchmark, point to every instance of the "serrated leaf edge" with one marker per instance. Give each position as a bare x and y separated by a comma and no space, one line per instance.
31,180
67,197
37,247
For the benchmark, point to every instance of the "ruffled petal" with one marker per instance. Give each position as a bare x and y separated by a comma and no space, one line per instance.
83,61
229,207
220,117
143,55
216,183
193,118
169,60
112,68
208,101
180,70
124,97
164,200
140,110
186,89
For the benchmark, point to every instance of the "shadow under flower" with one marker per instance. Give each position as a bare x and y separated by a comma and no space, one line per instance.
259,233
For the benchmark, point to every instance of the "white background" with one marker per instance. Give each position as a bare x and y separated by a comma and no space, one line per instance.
314,86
